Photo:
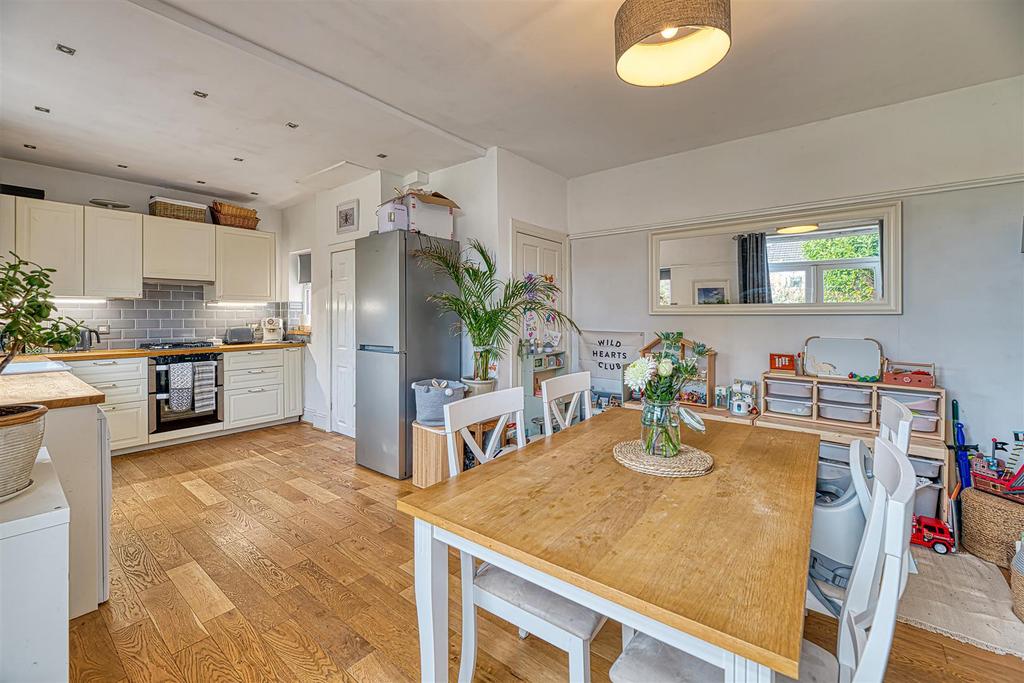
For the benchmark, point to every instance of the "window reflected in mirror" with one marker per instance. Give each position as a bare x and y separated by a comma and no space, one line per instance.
810,263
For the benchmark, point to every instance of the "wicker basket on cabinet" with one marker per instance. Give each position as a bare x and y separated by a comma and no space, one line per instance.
158,206
234,216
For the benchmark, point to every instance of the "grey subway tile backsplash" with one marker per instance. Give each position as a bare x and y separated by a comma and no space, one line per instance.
169,312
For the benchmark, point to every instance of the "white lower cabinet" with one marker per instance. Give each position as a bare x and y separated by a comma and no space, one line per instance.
293,382
128,423
243,407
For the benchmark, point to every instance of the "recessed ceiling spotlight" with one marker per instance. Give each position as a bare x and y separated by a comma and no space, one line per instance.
382,156
70,51
239,159
201,182
292,124
122,166
254,194
200,94
45,110
29,146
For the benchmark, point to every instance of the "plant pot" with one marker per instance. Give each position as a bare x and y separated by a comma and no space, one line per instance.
21,434
475,387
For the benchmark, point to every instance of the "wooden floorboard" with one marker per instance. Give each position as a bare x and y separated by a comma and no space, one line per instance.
270,556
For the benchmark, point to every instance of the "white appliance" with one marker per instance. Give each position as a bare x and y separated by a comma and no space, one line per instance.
34,579
273,330
106,505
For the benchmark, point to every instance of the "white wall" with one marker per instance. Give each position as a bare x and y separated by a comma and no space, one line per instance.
310,225
963,271
961,135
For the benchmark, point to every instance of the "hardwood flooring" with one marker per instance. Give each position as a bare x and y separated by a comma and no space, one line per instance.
269,556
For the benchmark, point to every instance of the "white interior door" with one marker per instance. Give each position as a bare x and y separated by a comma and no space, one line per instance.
534,254
343,348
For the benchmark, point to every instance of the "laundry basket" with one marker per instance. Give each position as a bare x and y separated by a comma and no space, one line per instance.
431,397
991,525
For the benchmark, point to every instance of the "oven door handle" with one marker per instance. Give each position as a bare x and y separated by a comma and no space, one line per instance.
162,397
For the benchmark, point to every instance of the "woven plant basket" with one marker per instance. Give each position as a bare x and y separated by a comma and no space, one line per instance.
21,434
179,211
225,209
248,222
990,526
1017,584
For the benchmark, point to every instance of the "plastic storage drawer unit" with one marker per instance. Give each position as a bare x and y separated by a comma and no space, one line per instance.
788,389
913,400
844,412
924,422
787,406
852,395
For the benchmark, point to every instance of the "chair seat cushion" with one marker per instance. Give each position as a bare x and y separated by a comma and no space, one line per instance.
646,660
540,602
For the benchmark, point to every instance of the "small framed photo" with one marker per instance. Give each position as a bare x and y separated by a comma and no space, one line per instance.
347,214
710,292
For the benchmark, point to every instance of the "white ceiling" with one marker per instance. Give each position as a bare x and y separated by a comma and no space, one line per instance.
444,80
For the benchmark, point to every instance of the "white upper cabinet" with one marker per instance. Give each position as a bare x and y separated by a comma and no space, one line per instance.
246,265
113,253
178,250
7,220
52,235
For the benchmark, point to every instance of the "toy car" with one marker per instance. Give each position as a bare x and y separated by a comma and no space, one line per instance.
932,533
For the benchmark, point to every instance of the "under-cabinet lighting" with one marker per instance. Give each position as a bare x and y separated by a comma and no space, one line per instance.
237,304
62,300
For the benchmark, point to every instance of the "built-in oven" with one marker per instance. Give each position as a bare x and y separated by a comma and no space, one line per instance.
185,391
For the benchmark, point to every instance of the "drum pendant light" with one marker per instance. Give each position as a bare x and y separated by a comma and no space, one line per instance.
662,42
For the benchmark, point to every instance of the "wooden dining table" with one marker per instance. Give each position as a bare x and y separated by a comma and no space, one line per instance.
713,565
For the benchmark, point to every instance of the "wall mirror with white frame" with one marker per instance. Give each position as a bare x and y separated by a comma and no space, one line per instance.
828,261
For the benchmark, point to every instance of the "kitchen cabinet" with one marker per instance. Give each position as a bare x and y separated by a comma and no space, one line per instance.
243,407
246,265
259,358
293,382
178,250
52,234
128,424
113,253
7,218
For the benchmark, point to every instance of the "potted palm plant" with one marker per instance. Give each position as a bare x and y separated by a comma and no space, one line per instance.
26,324
490,310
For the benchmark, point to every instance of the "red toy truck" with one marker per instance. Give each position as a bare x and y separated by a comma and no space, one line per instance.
932,533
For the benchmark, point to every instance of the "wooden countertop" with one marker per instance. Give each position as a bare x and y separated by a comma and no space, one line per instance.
51,389
102,354
722,557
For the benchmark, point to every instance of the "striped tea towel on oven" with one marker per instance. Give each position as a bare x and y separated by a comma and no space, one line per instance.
205,386
180,387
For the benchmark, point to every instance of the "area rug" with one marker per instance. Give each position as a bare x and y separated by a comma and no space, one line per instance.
965,598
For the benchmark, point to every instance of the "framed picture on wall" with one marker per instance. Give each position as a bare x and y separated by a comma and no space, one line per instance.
347,214
710,292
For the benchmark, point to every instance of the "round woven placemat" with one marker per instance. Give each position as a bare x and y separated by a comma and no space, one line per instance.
691,462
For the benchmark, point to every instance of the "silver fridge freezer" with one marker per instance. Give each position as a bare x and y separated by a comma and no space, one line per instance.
400,338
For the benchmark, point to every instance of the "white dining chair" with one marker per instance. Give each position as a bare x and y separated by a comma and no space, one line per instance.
534,610
868,619
553,392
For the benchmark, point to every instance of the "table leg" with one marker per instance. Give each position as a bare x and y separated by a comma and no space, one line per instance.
742,670
431,581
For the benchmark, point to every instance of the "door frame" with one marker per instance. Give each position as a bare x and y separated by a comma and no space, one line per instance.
518,227
335,249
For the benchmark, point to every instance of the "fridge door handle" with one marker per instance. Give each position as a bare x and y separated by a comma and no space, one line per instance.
377,348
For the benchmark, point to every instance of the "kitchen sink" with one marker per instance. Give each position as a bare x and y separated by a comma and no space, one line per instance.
34,366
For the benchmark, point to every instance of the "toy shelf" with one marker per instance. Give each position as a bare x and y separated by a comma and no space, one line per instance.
870,427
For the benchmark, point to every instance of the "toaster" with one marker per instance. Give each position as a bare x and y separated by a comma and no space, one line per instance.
239,335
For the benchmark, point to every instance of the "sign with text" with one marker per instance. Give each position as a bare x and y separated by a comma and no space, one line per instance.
605,354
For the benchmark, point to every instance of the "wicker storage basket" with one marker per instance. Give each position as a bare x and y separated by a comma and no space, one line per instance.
991,525
21,434
234,216
169,208
1017,584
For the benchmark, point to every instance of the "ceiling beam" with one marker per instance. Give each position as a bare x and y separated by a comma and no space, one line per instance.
216,33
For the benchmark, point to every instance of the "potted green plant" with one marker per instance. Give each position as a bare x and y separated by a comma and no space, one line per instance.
26,324
490,310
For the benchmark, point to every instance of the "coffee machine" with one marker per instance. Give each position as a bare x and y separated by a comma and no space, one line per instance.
273,330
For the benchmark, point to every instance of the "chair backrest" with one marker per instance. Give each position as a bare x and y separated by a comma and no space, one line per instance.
868,619
552,390
859,458
894,423
460,415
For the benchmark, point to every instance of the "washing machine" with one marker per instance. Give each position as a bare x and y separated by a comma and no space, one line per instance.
838,517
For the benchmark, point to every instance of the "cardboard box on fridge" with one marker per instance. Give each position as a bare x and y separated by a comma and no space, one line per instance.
429,213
